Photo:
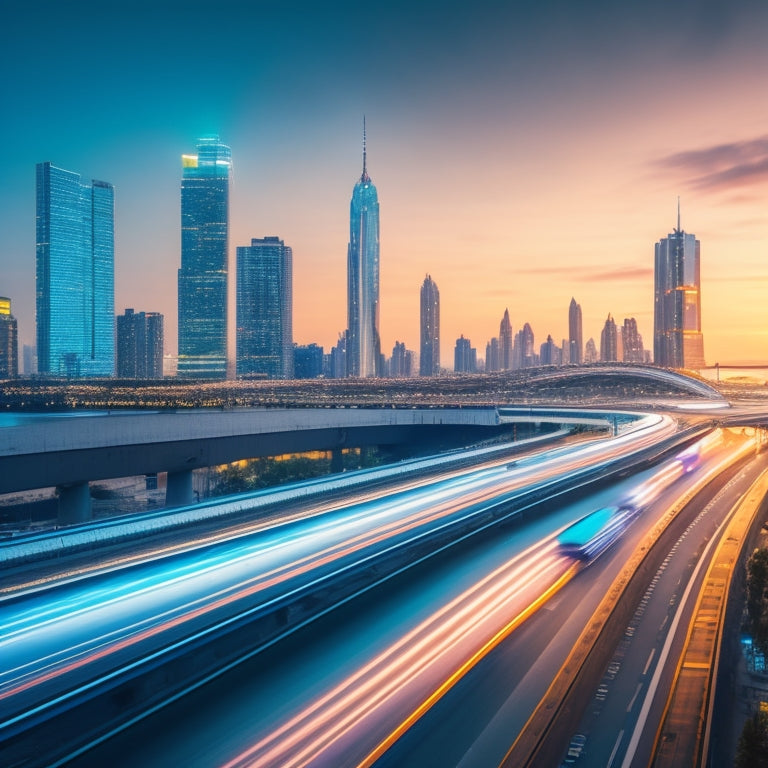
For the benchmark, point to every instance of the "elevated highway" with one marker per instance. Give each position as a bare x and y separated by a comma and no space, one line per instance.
70,450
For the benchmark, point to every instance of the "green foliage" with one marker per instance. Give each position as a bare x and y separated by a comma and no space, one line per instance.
757,597
254,474
752,751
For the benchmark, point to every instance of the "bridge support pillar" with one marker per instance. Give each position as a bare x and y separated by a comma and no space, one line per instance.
178,491
337,460
74,503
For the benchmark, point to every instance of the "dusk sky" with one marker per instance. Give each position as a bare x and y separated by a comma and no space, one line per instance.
523,152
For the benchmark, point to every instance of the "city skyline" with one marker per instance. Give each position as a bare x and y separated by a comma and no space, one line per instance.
519,154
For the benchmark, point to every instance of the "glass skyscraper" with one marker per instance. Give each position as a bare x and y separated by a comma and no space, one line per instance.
265,309
677,337
75,265
575,345
363,343
204,249
140,345
429,359
9,341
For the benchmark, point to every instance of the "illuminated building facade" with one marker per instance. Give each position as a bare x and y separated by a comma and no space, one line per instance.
204,266
363,342
74,274
429,360
265,309
677,337
633,342
140,345
9,341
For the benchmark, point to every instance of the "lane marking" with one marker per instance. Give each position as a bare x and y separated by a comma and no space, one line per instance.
615,748
634,698
648,663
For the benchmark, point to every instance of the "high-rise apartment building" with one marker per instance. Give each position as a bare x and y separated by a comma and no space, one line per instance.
677,337
401,361
492,356
363,343
633,342
590,352
608,342
9,341
74,274
576,347
505,342
204,262
549,352
429,356
140,345
307,361
464,356
523,354
265,309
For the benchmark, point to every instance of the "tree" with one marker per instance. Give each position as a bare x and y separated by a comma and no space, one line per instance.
757,597
752,751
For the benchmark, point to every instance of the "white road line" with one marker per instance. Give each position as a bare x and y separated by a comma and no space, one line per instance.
654,684
634,698
615,748
648,663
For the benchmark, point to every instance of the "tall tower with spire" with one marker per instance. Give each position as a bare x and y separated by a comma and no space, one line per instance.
364,344
677,337
575,344
505,342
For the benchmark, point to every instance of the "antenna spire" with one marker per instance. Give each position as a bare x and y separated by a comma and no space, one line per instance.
365,176
678,214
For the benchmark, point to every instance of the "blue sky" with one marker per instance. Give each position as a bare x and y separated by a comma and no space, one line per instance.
523,152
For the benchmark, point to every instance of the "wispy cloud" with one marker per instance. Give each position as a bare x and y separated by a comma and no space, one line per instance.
722,166
595,274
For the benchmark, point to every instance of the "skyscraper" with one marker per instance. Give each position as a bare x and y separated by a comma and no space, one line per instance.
464,356
576,346
608,341
140,345
363,343
633,342
523,352
429,361
265,309
9,341
677,337
74,274
492,356
203,272
505,342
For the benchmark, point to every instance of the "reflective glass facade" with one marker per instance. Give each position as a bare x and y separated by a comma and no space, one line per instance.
429,360
265,309
140,345
9,341
677,337
203,272
363,344
575,344
75,256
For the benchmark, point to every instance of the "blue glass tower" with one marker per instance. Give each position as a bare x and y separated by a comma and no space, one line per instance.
203,272
75,260
364,345
265,309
